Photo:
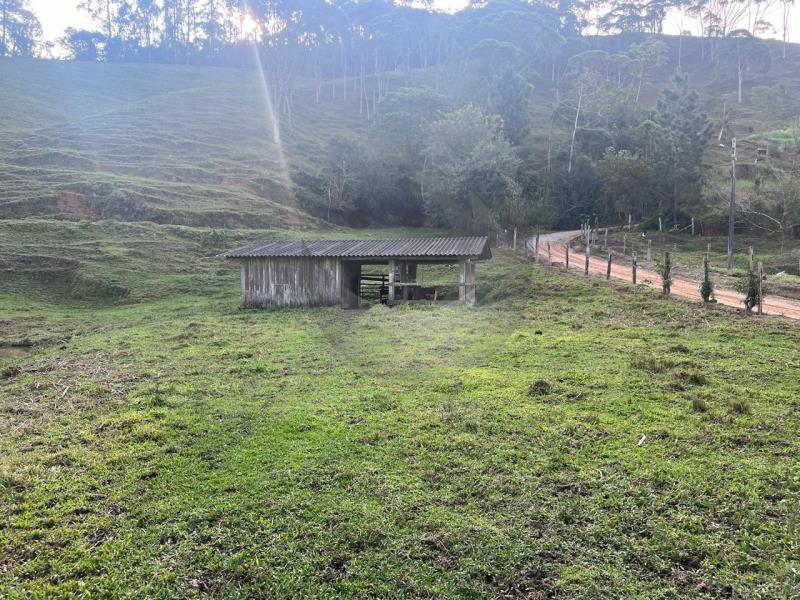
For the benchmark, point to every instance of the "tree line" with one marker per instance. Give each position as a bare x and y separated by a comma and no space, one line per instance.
456,151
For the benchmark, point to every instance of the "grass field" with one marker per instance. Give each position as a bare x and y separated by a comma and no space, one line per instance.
564,439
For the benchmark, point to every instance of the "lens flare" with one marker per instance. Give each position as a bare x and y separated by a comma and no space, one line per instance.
272,119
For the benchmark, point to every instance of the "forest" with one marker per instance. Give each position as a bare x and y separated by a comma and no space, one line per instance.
458,135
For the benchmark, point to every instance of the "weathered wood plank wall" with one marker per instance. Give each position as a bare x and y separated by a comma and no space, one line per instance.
290,281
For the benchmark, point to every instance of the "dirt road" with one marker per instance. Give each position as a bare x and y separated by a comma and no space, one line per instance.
686,288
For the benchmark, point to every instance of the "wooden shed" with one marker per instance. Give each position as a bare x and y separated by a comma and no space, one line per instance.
278,273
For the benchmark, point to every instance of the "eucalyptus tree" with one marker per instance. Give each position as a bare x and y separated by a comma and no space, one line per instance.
646,55
786,15
745,53
20,29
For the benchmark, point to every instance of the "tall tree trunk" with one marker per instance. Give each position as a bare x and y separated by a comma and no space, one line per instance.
641,80
575,130
3,24
740,72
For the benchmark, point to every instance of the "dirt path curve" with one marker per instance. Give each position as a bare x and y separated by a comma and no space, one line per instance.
686,288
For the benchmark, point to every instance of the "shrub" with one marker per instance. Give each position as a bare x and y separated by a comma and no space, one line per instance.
699,405
215,237
748,286
540,387
740,406
11,371
707,290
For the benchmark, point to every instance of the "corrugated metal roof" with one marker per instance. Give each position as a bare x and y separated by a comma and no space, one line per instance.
447,247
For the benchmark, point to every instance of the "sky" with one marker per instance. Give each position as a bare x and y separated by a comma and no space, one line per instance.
57,15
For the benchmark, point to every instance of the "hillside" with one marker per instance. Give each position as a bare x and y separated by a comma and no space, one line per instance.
194,145
157,143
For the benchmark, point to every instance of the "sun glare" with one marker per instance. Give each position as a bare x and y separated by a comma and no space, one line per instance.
250,26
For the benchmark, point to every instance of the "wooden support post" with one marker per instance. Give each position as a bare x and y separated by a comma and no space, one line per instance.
566,246
649,250
660,228
586,262
515,239
462,281
391,281
630,219
536,249
692,225
605,239
549,256
633,267
608,268
469,287
760,287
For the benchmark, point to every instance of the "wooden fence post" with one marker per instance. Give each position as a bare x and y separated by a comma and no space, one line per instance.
750,253
586,262
608,268
567,255
760,287
649,250
660,228
630,219
605,239
692,225
549,256
633,267
515,239
536,249
624,244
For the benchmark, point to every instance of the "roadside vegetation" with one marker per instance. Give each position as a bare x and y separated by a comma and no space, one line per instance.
565,438
781,257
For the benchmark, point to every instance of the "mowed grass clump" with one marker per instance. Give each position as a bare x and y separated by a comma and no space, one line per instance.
176,446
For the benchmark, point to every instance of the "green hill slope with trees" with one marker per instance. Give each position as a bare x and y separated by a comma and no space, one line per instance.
197,145
505,113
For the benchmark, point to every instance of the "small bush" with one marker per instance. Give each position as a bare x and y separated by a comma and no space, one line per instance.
540,387
9,372
695,378
652,364
740,406
215,237
699,405
707,291
748,286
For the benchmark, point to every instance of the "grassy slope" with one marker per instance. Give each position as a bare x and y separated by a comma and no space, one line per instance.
191,145
178,446
145,142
